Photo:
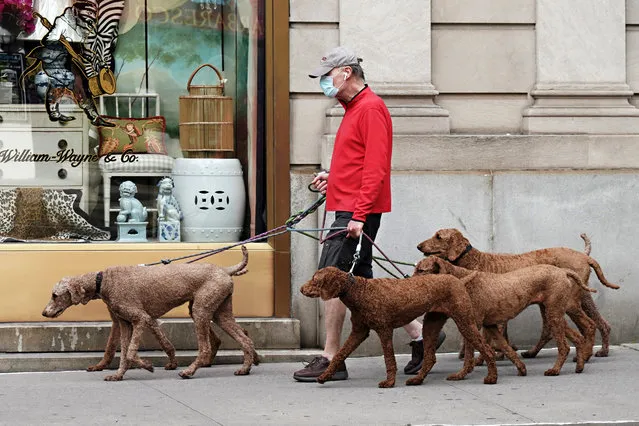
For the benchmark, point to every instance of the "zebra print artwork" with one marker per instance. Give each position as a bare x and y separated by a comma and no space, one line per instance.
104,17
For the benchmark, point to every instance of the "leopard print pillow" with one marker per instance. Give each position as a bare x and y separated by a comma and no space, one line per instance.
63,222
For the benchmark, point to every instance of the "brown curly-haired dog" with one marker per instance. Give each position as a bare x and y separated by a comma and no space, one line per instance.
498,298
383,304
451,245
138,295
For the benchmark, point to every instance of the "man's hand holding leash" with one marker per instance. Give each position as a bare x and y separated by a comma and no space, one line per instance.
320,182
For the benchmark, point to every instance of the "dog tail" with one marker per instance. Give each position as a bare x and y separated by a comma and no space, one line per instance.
240,268
594,265
577,279
587,243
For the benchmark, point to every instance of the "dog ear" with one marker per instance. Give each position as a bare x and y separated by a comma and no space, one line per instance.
330,283
457,243
424,266
77,292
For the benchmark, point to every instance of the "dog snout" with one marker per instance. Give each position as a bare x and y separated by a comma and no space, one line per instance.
46,312
309,290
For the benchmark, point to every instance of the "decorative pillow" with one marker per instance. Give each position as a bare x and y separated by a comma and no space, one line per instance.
136,135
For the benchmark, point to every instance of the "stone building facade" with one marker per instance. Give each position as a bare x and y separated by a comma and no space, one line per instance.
515,121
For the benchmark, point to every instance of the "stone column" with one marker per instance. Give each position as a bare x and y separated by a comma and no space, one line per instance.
581,69
394,39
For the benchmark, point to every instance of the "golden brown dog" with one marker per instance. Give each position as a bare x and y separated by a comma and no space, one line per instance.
383,304
498,298
451,245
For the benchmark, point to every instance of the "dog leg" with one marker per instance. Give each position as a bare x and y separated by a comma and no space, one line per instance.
136,336
256,357
202,329
543,339
165,343
359,333
215,345
508,351
557,324
432,324
125,339
588,305
587,329
226,321
469,361
111,346
503,329
468,329
386,338
578,340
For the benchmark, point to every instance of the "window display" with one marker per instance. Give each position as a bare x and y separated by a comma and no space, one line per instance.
131,120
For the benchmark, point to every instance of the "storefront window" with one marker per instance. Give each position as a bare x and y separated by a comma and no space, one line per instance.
131,120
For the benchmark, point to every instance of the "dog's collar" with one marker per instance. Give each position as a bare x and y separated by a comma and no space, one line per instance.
98,282
463,253
351,281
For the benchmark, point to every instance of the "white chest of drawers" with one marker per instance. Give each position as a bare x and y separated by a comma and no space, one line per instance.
37,152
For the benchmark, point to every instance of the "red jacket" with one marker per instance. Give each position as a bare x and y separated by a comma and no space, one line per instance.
360,169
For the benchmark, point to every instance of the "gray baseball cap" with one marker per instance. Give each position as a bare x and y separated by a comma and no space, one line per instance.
337,57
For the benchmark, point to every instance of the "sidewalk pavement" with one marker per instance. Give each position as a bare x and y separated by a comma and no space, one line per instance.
605,393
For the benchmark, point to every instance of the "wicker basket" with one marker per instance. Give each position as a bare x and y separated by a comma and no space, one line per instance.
206,120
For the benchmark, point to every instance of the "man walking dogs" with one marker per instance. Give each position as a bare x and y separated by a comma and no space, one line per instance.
358,191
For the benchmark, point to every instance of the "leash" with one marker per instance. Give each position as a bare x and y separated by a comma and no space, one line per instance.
356,255
288,225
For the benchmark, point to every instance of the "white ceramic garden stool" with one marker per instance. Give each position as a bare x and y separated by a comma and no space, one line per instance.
212,196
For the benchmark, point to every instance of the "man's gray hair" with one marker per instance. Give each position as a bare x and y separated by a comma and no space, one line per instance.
358,71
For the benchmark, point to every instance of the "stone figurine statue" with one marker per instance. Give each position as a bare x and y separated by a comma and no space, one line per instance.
131,209
169,212
168,207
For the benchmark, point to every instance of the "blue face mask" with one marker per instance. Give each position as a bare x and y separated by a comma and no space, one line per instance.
326,83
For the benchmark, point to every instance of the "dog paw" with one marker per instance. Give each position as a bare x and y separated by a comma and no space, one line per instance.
242,372
579,369
96,367
171,365
490,380
522,372
147,366
185,374
113,378
551,372
601,353
456,376
415,381
323,378
528,354
386,384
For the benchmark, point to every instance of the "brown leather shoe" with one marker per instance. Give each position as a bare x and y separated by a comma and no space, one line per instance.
316,367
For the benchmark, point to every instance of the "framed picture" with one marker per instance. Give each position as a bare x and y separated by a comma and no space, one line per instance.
11,69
